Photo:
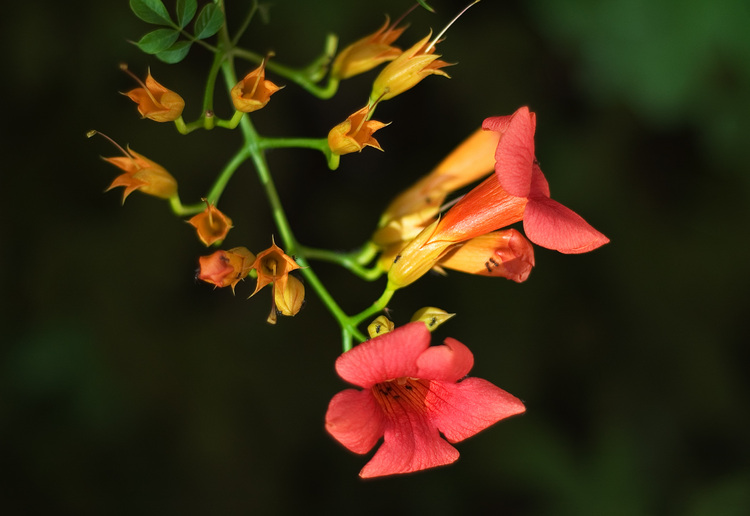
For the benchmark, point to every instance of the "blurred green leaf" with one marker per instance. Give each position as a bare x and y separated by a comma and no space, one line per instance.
151,11
175,53
424,4
209,21
158,40
186,11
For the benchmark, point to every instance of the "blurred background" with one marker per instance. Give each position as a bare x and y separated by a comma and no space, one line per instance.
126,387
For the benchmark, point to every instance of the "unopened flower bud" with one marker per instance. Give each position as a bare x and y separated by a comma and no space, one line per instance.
254,91
431,316
367,53
380,326
154,100
355,133
290,299
407,70
143,175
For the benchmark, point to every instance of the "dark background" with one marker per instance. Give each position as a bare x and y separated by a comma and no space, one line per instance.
128,388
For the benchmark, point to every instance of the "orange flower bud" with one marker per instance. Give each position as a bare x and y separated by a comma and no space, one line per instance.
507,254
226,268
407,70
211,224
355,133
367,53
254,91
154,100
273,266
142,174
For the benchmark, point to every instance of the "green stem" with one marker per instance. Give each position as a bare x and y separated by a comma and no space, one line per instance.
221,182
298,76
348,261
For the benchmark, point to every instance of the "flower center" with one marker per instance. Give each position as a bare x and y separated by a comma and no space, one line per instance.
402,394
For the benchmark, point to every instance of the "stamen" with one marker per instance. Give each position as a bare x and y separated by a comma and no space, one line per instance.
94,131
440,35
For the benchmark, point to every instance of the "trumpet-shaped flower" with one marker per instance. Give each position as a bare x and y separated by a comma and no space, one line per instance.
143,175
354,133
407,70
412,392
154,100
489,207
367,53
545,221
254,91
226,268
273,267
485,209
211,224
416,207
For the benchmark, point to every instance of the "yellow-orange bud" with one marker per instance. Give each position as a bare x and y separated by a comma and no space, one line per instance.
407,70
142,174
154,100
254,91
355,133
367,53
289,300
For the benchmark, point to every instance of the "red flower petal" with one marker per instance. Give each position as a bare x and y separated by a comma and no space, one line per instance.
550,224
411,443
460,410
499,124
449,362
355,419
393,355
515,153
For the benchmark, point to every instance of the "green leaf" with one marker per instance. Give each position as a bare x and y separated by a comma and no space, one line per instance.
424,4
186,11
151,11
175,53
158,40
209,21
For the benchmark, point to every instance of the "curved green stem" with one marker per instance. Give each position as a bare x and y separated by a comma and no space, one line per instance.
301,77
349,261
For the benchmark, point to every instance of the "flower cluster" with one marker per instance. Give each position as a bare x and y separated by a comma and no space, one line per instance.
414,396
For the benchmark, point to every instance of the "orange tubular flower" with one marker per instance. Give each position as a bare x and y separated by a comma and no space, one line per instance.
417,206
211,224
273,266
226,268
367,53
407,70
142,174
484,209
154,100
355,133
254,91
